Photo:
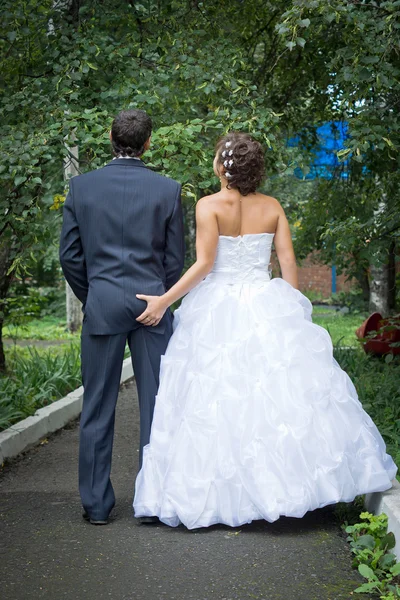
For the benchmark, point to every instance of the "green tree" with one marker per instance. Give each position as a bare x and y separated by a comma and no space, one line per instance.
356,218
273,68
70,66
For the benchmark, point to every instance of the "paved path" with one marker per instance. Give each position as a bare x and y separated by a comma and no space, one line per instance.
48,552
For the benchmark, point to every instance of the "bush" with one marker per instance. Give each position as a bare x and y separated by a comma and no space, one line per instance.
28,303
353,299
36,379
314,296
371,546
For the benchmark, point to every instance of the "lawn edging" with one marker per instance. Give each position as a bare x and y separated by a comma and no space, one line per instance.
389,503
46,420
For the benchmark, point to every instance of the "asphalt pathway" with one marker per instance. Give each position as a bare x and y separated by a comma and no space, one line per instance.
48,552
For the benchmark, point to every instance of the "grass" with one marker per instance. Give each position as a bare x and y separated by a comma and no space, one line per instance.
340,327
46,328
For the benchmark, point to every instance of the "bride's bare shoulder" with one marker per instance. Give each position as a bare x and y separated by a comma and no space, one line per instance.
271,202
209,202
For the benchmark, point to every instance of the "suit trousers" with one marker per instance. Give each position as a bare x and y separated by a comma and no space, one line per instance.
102,358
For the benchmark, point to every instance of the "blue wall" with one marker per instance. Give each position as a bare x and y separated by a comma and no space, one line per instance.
331,138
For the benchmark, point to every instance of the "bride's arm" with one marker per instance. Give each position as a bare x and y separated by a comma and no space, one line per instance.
284,250
207,235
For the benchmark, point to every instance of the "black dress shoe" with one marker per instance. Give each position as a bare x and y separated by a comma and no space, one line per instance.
148,520
86,516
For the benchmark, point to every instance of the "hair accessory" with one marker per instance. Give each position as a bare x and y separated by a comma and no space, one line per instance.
230,152
227,174
223,153
228,144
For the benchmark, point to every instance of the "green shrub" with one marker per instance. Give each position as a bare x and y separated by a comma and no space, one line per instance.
25,303
371,546
353,299
37,378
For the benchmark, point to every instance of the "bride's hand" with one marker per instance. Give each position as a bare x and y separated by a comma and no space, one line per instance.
154,312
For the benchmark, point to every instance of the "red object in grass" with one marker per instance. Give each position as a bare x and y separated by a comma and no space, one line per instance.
387,333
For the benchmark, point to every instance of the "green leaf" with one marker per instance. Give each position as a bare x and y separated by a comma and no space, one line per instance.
205,184
395,570
300,42
364,74
281,28
304,22
343,153
20,179
388,541
387,561
367,572
389,142
365,587
366,541
370,60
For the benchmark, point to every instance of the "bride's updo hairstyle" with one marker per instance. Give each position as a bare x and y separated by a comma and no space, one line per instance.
242,158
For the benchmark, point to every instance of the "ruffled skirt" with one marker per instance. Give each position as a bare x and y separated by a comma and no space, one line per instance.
254,418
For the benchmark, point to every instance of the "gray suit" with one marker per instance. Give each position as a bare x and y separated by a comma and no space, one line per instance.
122,235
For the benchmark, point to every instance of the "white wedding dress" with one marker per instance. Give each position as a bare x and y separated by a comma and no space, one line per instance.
254,418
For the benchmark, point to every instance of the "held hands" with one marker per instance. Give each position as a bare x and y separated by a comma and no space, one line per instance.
154,312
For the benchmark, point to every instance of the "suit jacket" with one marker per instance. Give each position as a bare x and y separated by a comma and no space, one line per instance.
122,235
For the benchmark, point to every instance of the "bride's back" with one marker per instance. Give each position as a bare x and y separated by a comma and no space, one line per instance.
242,215
240,209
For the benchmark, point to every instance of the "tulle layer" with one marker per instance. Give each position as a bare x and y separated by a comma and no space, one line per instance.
254,418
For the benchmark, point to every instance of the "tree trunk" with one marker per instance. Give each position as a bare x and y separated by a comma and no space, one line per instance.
379,288
6,262
73,305
364,283
392,276
2,355
74,310
379,265
362,275
71,168
189,211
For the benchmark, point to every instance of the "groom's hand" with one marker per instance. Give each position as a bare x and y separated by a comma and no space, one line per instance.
154,312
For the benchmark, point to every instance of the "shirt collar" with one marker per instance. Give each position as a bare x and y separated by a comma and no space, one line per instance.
131,157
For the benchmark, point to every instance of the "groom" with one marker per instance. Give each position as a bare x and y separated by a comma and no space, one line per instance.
122,234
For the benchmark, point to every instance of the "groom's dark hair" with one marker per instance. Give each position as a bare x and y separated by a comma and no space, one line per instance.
129,132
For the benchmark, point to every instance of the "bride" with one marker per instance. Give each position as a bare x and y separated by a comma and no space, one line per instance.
254,418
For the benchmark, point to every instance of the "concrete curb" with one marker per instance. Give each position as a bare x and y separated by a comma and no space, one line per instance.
30,431
388,503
